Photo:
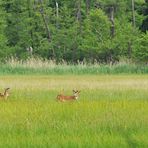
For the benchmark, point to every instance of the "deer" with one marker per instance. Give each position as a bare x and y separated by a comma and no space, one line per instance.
63,98
5,94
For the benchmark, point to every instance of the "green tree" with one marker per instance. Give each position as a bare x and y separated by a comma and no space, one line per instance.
140,49
4,51
95,33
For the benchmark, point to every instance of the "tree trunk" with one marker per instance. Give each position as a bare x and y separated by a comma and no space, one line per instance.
57,15
79,12
79,20
112,28
133,13
129,49
44,20
87,6
30,23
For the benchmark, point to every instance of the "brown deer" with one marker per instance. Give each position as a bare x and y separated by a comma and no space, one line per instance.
5,94
63,98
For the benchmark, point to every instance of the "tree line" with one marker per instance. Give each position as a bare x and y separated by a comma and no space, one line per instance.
91,30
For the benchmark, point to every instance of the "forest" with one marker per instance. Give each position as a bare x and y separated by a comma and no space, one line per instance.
92,30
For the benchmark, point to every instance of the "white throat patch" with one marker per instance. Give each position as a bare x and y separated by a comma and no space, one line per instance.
76,97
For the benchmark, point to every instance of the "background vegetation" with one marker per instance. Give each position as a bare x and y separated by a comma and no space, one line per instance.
38,66
91,30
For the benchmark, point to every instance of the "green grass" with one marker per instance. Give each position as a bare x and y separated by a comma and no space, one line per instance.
112,111
75,69
37,66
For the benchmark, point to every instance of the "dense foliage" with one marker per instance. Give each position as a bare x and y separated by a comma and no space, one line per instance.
91,30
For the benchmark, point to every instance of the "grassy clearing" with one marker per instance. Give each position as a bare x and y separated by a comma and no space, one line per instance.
111,112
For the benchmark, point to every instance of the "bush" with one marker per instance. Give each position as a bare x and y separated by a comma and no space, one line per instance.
141,49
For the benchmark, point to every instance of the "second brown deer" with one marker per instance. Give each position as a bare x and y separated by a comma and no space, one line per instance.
5,94
63,98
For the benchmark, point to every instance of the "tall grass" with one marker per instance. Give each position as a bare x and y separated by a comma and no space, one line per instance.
111,112
40,66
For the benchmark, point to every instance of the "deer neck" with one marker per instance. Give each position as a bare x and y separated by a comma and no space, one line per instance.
76,97
6,93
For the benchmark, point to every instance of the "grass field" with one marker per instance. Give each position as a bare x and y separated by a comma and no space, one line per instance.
112,111
38,66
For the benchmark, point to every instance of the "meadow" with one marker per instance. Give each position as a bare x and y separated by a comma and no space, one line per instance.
112,111
39,66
